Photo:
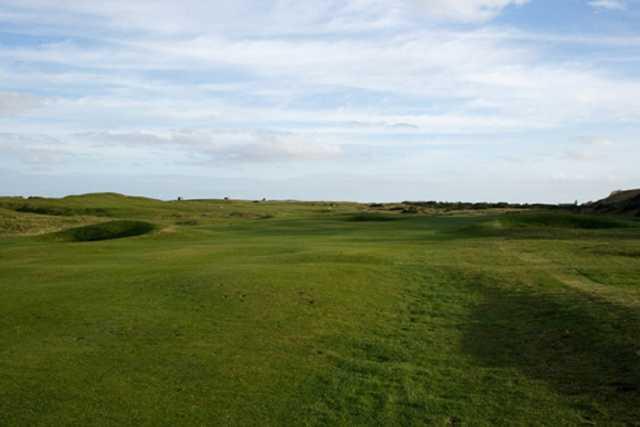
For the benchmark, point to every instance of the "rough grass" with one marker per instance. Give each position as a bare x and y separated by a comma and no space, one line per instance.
14,223
310,319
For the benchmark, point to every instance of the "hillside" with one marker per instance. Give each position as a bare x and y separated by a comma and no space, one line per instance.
625,202
39,215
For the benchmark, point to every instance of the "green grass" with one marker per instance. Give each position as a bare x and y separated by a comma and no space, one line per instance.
286,313
567,220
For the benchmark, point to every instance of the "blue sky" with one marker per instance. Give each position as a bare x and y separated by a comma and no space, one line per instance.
369,100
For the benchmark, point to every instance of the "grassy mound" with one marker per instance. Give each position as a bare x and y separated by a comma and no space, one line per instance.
107,231
564,220
95,204
542,225
619,203
59,210
14,223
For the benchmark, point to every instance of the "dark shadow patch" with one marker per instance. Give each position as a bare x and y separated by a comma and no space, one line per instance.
371,217
106,231
586,349
547,225
619,252
187,222
566,220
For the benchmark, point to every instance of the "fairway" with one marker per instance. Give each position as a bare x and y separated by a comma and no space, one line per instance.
121,310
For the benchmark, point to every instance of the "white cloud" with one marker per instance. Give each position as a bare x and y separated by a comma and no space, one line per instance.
12,103
207,17
595,141
477,81
608,4
492,83
598,149
198,17
34,150
236,145
466,10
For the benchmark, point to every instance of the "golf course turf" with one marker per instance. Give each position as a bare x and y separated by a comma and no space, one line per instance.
120,310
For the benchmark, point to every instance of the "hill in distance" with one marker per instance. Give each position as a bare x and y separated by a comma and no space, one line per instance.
622,202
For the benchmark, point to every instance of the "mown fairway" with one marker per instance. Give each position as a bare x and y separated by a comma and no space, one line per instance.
239,313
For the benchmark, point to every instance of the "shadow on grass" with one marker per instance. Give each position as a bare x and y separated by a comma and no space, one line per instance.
585,349
544,227
106,231
372,217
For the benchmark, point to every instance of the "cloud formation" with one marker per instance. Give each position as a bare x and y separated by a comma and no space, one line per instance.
12,103
421,89
35,151
198,17
467,10
226,145
608,4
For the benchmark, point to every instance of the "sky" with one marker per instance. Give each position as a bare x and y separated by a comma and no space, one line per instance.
365,100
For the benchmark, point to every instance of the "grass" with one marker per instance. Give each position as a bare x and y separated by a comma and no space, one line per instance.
567,220
13,223
275,313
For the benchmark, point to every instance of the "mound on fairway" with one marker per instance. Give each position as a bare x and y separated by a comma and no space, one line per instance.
565,220
107,231
544,225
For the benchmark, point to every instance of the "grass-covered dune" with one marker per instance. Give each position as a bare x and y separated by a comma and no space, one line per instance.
118,310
